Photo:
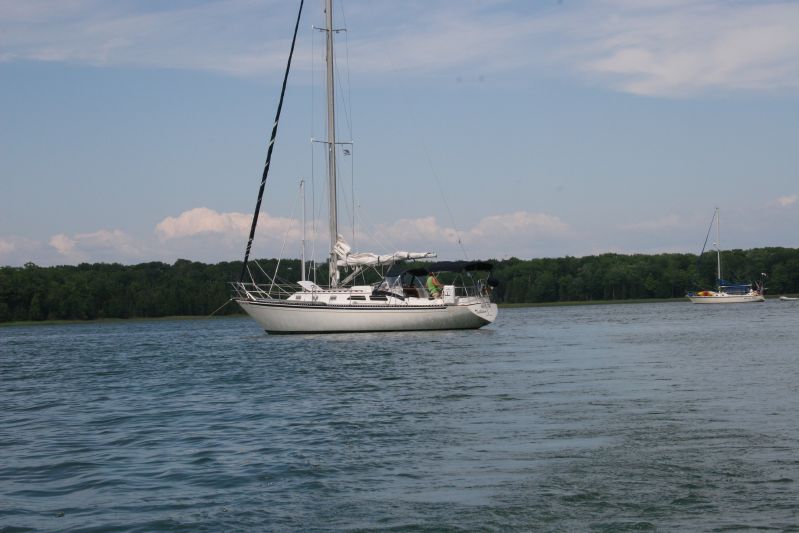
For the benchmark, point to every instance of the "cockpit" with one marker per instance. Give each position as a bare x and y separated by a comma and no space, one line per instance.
405,284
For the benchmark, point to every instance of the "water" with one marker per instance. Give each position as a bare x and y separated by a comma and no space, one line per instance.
667,417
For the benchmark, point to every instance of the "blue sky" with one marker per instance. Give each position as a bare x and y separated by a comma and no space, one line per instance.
136,130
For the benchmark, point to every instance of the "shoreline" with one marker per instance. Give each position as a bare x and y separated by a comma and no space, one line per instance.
203,317
114,320
595,302
237,315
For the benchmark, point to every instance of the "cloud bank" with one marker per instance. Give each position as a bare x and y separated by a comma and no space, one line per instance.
202,220
661,48
99,246
500,232
679,48
203,234
6,247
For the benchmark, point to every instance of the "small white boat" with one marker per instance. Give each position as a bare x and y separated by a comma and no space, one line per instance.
726,292
788,299
734,294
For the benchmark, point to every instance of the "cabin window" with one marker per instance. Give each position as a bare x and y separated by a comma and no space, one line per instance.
381,298
360,298
298,297
333,298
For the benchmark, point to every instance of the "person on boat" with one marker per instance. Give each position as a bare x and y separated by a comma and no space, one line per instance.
433,285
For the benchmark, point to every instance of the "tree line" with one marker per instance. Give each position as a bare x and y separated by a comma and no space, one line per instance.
155,289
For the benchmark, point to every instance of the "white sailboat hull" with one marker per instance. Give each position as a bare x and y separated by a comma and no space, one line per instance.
727,293
402,301
728,299
280,316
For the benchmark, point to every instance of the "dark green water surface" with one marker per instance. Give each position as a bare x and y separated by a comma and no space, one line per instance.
651,417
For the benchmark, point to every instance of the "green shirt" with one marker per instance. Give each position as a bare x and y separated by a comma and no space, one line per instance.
432,285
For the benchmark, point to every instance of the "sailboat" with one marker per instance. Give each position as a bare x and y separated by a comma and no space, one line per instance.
726,292
407,297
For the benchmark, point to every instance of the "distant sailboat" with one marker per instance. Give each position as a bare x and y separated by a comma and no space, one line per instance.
404,299
726,292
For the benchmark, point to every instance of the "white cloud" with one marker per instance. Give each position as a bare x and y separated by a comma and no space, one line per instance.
101,245
202,36
682,48
662,48
204,221
15,250
6,247
518,224
205,235
520,232
785,201
425,229
63,244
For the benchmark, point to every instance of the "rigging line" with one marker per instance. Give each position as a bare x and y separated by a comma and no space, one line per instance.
313,166
709,229
441,190
220,308
313,88
261,269
348,117
313,94
352,186
285,238
318,206
708,233
420,136
313,153
347,55
376,235
349,207
343,101
257,288
268,278
313,215
346,104
271,146
352,173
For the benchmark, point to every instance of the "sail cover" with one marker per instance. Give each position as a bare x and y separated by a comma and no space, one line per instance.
345,258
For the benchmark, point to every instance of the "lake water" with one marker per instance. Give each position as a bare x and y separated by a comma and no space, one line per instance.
667,417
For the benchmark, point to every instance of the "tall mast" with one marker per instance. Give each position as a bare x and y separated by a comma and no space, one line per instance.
331,147
718,244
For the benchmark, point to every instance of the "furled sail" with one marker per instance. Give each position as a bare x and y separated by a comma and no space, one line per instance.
345,258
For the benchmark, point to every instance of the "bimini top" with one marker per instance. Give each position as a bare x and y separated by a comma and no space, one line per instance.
726,283
738,288
442,266
460,266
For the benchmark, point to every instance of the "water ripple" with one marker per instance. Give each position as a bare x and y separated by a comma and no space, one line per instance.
596,418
